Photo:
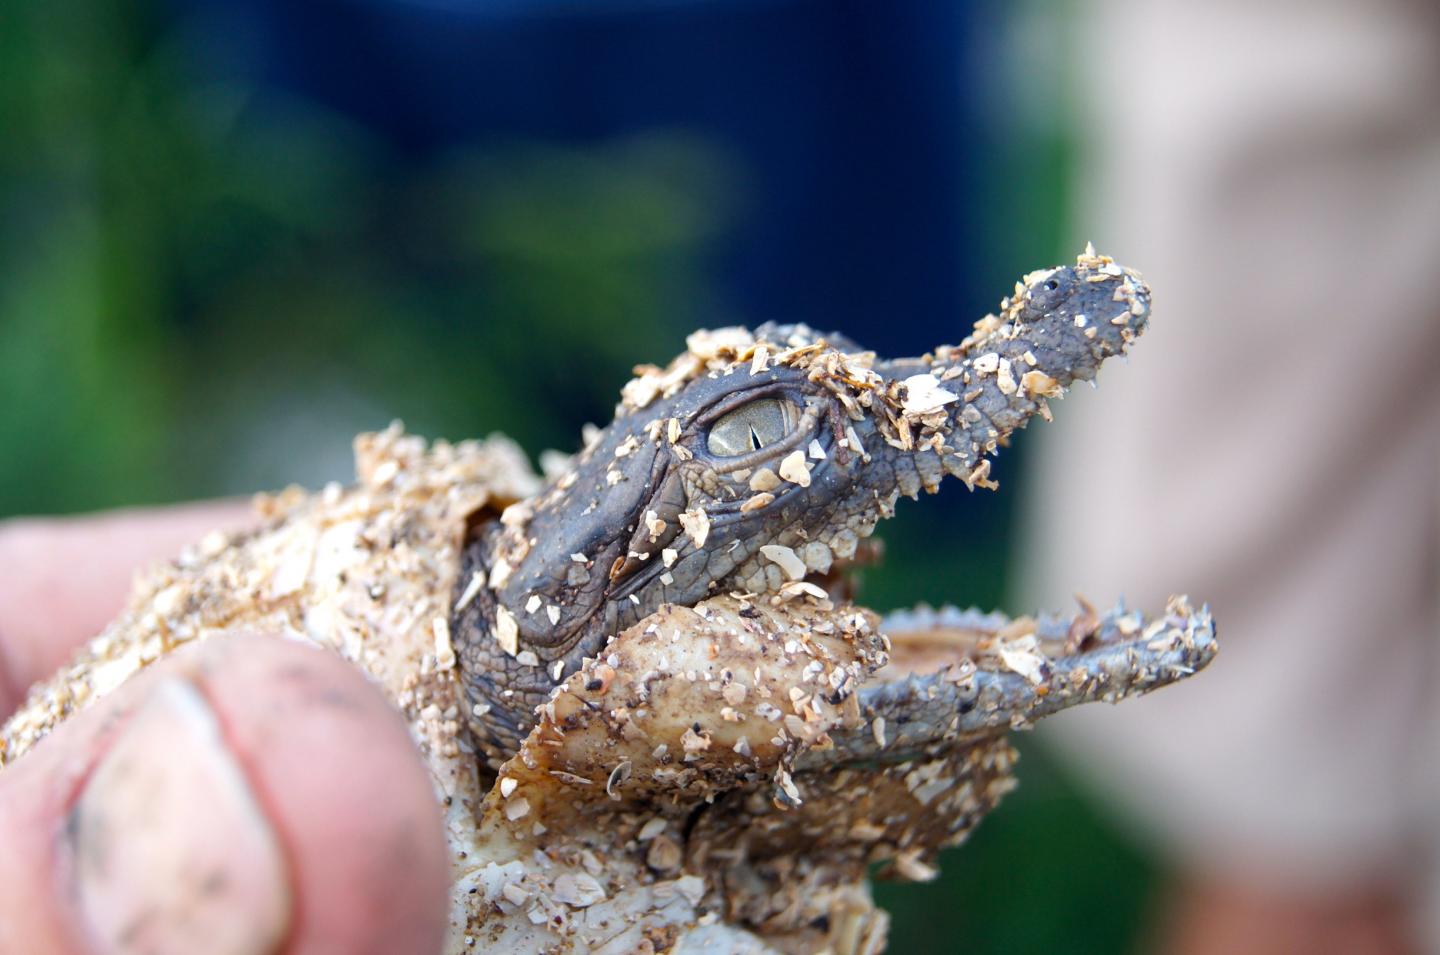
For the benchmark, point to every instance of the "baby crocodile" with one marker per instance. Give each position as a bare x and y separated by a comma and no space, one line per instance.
654,718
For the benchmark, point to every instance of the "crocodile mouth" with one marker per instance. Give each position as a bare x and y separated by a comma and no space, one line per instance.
955,675
757,465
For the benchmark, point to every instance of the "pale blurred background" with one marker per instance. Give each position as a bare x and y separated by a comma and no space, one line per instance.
232,234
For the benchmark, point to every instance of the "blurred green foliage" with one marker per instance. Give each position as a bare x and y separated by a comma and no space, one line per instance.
202,297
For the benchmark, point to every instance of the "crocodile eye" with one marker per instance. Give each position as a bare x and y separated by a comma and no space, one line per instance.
751,427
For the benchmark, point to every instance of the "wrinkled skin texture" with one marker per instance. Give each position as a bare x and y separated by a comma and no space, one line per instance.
653,718
589,557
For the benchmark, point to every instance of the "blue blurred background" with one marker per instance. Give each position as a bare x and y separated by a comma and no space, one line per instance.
233,234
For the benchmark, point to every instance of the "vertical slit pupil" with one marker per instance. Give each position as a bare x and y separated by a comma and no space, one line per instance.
750,428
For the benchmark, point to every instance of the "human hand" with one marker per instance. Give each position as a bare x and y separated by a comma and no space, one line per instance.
247,795
1224,913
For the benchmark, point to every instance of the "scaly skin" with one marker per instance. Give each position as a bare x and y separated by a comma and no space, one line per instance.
588,557
653,720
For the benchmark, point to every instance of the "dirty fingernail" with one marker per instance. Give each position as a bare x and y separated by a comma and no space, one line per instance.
172,852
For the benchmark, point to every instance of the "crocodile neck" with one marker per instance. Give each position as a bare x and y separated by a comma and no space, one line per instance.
502,690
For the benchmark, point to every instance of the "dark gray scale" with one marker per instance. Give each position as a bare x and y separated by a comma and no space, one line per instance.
590,560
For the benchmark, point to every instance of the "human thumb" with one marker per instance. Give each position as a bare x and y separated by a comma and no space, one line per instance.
246,796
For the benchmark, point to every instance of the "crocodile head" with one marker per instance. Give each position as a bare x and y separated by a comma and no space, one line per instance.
758,463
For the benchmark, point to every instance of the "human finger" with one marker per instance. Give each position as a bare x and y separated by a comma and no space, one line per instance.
248,795
62,579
